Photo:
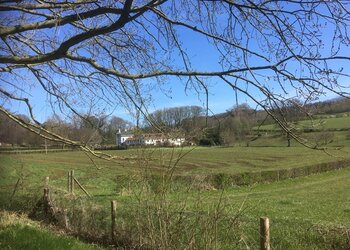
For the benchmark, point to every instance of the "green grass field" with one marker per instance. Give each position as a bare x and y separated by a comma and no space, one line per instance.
311,212
329,123
297,208
198,160
320,122
100,176
330,131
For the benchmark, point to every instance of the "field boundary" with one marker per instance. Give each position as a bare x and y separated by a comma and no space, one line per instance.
222,180
34,151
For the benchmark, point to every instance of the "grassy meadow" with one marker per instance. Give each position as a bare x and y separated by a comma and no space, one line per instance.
326,122
306,213
100,176
172,212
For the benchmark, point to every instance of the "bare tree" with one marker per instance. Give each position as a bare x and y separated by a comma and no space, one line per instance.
111,53
173,118
112,126
238,124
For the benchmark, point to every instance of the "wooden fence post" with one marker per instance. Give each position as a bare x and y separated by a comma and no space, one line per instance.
46,200
15,189
264,233
46,193
113,215
82,188
72,181
68,182
47,179
65,219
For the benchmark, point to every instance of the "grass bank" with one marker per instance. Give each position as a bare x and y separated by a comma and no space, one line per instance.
19,232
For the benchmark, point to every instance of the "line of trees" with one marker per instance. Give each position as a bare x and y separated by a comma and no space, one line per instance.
190,121
235,125
90,130
12,133
337,105
184,117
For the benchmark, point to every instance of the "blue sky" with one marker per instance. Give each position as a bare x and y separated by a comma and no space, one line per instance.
202,57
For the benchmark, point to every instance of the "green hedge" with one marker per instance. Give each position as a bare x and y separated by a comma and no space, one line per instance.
223,180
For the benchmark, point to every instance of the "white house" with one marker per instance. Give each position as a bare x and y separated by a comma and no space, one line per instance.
155,139
121,138
176,141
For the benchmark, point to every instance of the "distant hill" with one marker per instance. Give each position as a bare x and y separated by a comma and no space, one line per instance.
318,110
333,106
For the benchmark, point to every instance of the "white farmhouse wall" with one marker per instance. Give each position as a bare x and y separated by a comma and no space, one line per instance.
146,139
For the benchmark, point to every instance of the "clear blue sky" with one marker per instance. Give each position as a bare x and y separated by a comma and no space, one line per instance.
203,57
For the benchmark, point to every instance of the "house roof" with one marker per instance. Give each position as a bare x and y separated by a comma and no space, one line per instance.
149,136
126,135
157,136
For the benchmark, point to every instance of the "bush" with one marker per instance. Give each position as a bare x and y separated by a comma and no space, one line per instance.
210,137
